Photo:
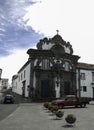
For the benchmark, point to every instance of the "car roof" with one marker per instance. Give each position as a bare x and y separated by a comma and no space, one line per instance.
70,95
9,95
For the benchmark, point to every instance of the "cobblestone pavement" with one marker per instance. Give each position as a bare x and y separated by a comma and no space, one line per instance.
33,116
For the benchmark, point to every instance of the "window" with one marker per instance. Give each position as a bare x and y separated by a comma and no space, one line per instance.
92,76
67,66
24,73
83,76
45,64
84,89
21,76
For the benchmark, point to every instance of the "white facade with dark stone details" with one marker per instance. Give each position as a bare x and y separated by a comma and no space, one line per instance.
21,80
52,71
85,80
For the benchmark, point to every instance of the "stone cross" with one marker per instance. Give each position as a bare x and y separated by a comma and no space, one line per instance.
57,31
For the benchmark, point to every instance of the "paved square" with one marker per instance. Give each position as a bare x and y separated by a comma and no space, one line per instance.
33,116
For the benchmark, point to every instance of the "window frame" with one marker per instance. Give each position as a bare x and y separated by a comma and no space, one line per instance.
83,76
84,88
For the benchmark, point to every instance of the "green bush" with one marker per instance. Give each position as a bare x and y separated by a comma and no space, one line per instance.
60,113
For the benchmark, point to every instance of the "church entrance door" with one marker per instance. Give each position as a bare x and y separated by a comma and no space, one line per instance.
66,88
45,88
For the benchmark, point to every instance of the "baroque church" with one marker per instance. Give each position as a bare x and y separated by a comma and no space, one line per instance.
52,68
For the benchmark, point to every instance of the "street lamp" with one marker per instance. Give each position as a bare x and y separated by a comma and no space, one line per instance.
57,72
0,73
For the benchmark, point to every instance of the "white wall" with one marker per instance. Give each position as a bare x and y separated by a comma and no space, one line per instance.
57,88
17,83
87,82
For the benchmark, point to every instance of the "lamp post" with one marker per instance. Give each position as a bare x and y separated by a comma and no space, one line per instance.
57,72
0,78
0,73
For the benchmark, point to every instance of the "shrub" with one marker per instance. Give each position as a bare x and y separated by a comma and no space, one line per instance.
70,118
46,104
54,108
59,113
50,107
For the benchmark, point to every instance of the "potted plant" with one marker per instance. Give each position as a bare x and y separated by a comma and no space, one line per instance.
59,113
50,107
70,118
46,104
54,108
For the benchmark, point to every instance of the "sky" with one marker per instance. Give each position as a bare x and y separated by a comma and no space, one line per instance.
24,22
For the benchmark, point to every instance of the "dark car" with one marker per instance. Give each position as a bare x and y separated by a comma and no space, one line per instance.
8,98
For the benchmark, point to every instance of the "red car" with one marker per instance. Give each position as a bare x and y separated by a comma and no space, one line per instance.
71,100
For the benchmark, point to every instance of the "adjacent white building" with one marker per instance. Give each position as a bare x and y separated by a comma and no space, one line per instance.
21,81
85,80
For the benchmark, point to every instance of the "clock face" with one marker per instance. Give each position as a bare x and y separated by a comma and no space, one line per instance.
67,66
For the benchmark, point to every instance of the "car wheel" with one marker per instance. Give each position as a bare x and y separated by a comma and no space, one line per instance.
76,106
83,105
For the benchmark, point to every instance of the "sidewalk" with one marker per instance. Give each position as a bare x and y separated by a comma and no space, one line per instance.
1,96
33,116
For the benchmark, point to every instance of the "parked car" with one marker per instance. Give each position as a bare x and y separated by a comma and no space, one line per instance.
71,100
8,98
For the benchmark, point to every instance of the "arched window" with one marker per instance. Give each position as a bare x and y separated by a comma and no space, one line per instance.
45,64
67,66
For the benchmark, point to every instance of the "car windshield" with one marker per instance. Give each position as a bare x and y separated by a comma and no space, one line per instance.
63,98
8,95
67,97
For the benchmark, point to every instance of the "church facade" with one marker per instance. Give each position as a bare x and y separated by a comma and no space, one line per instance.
51,69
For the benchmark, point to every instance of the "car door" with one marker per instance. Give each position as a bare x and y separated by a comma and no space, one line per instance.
67,101
70,101
73,101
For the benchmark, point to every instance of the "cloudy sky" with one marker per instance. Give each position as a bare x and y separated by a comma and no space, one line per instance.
24,22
